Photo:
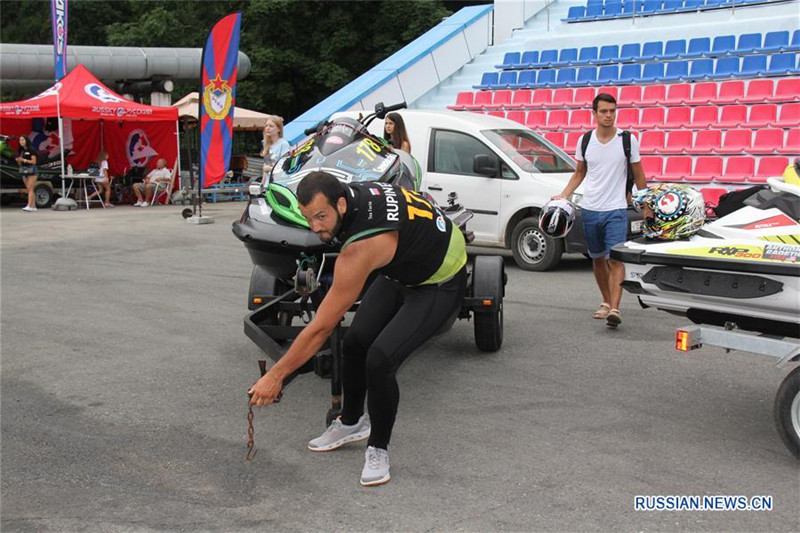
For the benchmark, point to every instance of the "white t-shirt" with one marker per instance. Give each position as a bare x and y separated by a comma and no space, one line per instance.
103,172
607,172
159,174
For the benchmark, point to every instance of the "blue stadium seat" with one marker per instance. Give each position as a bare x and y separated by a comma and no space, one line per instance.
575,14
630,52
795,44
674,49
593,11
693,5
652,50
651,6
676,70
712,4
631,73
565,76
781,64
612,9
507,79
586,75
488,80
701,69
546,77
525,80
594,2
775,41
548,58
631,7
671,6
698,47
607,74
723,45
587,55
748,42
566,57
608,54
529,59
652,72
726,67
754,65
510,60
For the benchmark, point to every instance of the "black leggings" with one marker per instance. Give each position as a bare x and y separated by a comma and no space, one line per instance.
392,321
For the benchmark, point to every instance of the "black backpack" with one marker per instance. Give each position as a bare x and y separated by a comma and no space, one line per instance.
626,146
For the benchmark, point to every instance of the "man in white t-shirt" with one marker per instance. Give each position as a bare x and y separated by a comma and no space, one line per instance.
605,202
160,174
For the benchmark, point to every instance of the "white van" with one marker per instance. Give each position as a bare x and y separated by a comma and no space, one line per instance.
502,171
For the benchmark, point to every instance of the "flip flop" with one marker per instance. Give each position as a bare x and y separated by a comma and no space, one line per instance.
614,318
602,311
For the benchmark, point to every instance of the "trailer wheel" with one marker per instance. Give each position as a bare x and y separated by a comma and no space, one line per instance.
43,194
489,281
532,249
787,411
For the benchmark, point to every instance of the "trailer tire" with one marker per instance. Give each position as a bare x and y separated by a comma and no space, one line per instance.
532,249
43,193
489,281
787,411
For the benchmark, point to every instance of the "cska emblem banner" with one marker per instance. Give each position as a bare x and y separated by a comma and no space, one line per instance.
58,17
217,98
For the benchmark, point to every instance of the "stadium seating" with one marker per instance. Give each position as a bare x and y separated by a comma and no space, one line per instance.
706,142
678,142
792,143
651,142
787,90
703,93
676,168
758,91
706,168
769,167
789,116
652,165
735,142
762,115
738,169
767,141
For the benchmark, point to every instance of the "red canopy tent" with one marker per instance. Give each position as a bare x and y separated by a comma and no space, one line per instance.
133,134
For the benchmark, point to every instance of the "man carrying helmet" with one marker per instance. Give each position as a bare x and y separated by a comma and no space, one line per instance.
604,167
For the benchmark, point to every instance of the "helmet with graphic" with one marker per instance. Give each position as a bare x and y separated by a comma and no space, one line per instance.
556,218
678,211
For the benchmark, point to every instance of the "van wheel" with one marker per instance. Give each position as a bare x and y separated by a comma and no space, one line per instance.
787,411
532,249
43,195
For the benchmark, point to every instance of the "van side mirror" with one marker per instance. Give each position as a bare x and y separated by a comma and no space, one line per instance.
485,165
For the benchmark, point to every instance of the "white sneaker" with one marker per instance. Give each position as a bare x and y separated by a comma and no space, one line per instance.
137,204
337,435
27,208
376,467
144,204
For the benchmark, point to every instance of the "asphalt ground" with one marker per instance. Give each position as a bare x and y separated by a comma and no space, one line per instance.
124,370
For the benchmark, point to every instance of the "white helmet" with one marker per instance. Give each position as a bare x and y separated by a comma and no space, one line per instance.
678,211
556,218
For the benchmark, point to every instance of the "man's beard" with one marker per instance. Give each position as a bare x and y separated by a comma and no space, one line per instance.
336,228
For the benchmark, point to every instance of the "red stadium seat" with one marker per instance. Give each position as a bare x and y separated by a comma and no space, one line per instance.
536,119
738,169
788,116
652,164
787,90
462,101
580,119
499,114
630,95
770,167
711,195
651,142
678,93
500,99
573,138
732,116
678,117
627,117
678,142
521,99
792,144
583,97
758,92
677,168
516,115
706,168
557,119
704,116
762,115
704,93
730,92
652,117
542,98
483,99
654,94
706,142
613,91
555,137
562,98
736,142
767,141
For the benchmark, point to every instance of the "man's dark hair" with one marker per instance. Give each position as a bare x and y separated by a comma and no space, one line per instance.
603,97
319,181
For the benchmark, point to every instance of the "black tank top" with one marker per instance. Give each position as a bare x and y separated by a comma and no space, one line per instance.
428,250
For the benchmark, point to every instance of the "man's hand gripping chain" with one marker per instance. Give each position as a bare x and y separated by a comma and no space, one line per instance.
251,449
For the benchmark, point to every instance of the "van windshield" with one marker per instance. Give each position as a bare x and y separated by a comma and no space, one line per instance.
531,152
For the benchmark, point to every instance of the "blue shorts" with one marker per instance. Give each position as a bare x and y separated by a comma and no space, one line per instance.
604,229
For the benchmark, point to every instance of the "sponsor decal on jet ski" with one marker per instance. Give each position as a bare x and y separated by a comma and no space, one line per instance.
785,253
778,221
742,251
783,239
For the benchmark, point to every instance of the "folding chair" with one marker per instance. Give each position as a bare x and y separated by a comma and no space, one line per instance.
165,186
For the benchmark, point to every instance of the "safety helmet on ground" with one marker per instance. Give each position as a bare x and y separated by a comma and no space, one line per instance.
678,211
556,218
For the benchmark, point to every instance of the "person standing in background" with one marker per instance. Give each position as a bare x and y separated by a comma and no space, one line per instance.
274,145
28,170
394,131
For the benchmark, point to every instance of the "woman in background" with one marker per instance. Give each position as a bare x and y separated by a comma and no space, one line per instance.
103,180
274,145
27,169
394,131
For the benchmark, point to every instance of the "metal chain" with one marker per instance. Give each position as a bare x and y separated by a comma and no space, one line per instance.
251,446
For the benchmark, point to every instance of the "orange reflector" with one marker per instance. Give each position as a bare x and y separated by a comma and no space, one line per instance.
682,341
257,300
486,302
